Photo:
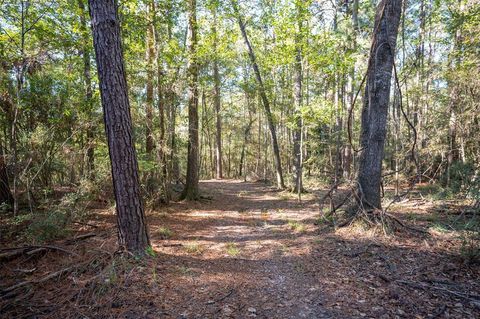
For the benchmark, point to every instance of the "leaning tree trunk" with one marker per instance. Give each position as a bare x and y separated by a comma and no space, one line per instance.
191,191
132,229
376,101
263,95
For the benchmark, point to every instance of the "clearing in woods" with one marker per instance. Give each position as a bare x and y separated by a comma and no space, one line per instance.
249,251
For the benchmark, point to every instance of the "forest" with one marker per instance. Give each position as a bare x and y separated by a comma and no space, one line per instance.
239,159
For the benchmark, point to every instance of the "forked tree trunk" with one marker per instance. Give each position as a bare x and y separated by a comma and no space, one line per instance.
132,229
376,101
263,95
191,191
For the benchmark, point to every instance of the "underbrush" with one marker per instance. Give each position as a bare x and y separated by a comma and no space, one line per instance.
51,219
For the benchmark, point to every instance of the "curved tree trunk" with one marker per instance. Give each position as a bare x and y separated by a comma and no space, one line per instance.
376,101
132,229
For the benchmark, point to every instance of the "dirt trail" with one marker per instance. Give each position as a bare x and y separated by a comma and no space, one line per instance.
254,252
241,255
250,252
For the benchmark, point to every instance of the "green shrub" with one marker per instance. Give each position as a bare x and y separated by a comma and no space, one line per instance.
470,248
164,232
461,176
47,227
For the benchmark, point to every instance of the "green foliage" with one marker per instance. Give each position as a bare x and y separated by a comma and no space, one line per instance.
296,226
470,248
164,232
461,176
193,248
150,251
48,226
232,249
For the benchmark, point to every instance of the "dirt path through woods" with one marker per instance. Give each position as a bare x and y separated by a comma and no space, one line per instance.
249,252
240,255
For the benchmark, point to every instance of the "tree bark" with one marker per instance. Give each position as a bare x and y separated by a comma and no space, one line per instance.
150,57
376,101
87,78
348,155
132,229
217,102
298,101
263,95
191,190
162,114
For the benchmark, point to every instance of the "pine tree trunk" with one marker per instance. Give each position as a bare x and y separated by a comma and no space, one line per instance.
217,101
297,92
132,229
191,191
376,101
266,104
163,112
150,57
87,78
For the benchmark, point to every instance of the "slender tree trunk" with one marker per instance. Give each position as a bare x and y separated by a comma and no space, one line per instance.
191,191
87,78
217,102
348,156
298,101
355,15
150,57
132,229
263,95
453,150
246,133
376,101
161,100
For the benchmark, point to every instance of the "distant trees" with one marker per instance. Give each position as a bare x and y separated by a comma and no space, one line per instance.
277,107
264,97
376,101
132,229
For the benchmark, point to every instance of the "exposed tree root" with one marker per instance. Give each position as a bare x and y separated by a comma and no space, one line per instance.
350,209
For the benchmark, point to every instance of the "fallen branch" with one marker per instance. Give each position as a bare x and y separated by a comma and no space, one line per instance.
475,299
78,238
14,252
39,281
